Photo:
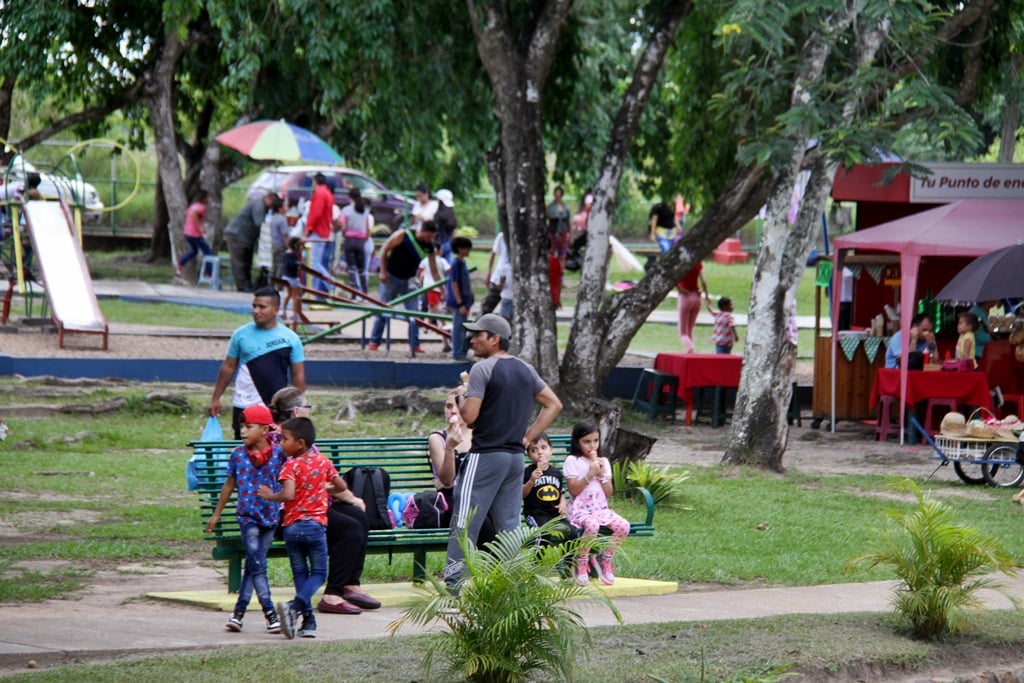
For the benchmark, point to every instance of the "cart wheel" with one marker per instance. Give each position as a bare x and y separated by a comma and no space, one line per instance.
969,472
1003,474
815,423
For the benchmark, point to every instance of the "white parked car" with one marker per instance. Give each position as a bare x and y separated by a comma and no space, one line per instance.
53,186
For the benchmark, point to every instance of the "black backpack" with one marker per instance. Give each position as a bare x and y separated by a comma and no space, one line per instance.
372,484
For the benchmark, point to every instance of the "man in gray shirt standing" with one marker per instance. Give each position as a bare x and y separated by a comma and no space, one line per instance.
499,402
242,234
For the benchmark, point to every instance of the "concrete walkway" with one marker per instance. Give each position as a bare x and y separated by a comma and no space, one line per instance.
97,628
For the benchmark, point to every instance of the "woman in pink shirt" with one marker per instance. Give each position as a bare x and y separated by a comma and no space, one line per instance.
195,215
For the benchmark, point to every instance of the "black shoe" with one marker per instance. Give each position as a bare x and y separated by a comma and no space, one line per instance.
235,622
289,618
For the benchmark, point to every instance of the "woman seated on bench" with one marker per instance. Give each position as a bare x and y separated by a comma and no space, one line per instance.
446,448
347,530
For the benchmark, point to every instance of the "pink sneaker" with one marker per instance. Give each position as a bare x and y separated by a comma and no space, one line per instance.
583,573
605,568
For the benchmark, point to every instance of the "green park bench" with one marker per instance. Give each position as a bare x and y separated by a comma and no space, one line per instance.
408,465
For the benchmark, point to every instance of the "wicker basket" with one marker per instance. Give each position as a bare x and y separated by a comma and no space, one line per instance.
979,427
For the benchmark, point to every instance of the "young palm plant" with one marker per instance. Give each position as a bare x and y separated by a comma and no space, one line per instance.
664,484
513,617
941,564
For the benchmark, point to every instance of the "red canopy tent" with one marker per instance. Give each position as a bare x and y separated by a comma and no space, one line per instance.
967,228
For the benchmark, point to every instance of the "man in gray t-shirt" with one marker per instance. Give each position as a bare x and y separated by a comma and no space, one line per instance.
499,403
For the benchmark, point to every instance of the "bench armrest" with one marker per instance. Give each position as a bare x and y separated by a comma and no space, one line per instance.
649,501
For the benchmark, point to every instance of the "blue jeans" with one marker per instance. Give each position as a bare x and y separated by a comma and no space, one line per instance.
195,245
460,344
257,540
722,348
306,543
320,261
389,291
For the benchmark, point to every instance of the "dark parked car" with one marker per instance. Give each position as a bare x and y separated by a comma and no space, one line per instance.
293,183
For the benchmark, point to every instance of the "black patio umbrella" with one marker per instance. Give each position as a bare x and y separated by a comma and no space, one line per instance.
997,275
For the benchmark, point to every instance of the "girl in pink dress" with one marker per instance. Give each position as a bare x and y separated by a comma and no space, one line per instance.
590,485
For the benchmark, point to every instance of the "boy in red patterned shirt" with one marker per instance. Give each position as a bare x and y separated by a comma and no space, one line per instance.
304,478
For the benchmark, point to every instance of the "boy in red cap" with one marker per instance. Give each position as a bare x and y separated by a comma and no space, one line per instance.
304,478
254,464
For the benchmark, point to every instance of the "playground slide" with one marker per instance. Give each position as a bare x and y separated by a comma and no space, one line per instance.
64,272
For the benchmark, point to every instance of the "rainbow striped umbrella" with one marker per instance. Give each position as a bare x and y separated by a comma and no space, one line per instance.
279,141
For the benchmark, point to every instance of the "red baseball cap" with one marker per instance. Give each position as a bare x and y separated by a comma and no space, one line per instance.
257,415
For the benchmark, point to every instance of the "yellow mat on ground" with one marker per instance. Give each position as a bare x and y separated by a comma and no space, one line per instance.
401,594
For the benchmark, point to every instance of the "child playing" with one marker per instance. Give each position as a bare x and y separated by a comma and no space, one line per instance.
459,295
724,334
590,486
433,268
304,478
195,215
290,274
253,465
542,487
966,324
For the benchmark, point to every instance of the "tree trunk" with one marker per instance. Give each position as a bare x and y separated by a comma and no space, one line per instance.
518,75
760,430
494,174
212,185
1011,115
159,243
589,337
160,101
6,110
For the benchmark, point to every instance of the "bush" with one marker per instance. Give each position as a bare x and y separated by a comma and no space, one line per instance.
512,618
941,564
664,484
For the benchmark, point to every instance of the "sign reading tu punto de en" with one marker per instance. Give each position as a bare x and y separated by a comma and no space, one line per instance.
951,182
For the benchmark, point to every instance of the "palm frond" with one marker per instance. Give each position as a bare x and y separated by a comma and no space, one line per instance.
942,565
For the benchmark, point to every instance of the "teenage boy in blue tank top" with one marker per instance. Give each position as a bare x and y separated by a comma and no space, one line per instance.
263,353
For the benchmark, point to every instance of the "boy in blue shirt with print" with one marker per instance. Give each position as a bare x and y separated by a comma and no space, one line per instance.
254,464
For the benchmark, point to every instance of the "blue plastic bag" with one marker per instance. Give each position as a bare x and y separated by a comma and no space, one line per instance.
212,432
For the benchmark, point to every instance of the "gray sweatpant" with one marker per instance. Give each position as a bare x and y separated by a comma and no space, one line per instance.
487,484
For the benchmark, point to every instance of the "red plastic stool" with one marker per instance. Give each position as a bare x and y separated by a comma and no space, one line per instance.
949,403
1017,400
886,427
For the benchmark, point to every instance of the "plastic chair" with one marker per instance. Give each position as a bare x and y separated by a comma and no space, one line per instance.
209,272
656,394
949,403
886,426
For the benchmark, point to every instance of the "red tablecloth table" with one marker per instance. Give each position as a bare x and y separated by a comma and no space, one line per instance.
700,370
969,388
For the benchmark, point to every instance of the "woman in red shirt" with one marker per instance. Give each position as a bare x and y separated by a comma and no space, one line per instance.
690,289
